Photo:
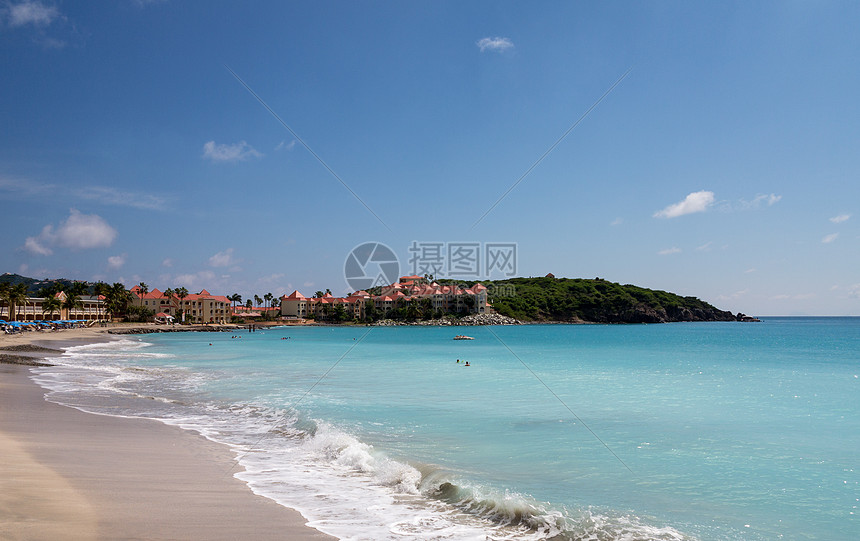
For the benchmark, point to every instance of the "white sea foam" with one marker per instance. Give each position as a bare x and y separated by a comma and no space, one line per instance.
343,486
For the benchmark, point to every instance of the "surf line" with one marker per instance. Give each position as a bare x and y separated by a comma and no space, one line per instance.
575,416
293,406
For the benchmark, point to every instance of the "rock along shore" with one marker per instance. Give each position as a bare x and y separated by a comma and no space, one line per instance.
467,321
178,328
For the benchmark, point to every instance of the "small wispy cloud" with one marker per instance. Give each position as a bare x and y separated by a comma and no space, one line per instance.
77,232
19,188
116,261
741,205
794,297
32,13
199,280
223,259
694,202
617,221
733,296
496,44
705,247
670,251
167,262
229,153
829,238
112,196
285,146
854,291
748,271
766,199
841,218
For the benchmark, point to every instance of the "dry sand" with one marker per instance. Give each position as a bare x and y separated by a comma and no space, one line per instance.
65,474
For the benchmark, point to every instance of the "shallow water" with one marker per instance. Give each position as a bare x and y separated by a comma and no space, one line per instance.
704,431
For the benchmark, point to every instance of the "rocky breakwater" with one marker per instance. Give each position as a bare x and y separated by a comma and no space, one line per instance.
180,328
466,321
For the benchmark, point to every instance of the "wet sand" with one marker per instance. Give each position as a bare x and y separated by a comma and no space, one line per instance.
67,474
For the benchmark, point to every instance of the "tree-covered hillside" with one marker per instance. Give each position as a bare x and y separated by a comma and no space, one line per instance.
597,300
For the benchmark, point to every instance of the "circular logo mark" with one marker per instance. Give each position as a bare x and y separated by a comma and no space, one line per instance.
369,265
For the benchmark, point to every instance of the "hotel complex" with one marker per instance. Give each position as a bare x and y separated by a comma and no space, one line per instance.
409,290
91,308
201,307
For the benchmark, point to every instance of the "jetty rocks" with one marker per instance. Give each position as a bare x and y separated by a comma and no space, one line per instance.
466,321
178,328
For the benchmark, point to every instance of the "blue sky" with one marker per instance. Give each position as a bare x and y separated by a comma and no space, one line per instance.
725,165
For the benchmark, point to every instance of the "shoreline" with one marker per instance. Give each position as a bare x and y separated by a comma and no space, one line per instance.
76,475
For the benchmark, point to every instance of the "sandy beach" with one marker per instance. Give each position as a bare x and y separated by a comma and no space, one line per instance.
67,474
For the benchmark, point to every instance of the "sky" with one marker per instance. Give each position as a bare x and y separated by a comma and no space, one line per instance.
708,149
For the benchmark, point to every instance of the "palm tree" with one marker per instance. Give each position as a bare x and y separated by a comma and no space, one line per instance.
16,295
51,305
117,298
258,300
100,290
143,289
4,293
72,302
182,293
268,298
79,288
169,293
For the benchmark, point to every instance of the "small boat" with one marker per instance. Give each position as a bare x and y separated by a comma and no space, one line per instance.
463,337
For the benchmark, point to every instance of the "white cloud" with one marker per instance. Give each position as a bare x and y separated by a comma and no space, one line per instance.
223,259
829,238
841,218
733,296
167,262
198,281
283,145
854,291
309,284
705,247
669,251
31,12
111,196
770,199
84,231
496,44
695,202
617,221
229,153
271,278
78,232
116,261
37,245
108,195
743,205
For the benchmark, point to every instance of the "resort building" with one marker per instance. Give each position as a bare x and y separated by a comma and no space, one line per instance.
200,307
409,290
91,308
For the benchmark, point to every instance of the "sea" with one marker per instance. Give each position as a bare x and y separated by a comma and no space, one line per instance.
682,431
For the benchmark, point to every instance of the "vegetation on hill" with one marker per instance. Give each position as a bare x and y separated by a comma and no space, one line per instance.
597,300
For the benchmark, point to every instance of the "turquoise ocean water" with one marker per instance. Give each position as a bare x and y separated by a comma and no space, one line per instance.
708,431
